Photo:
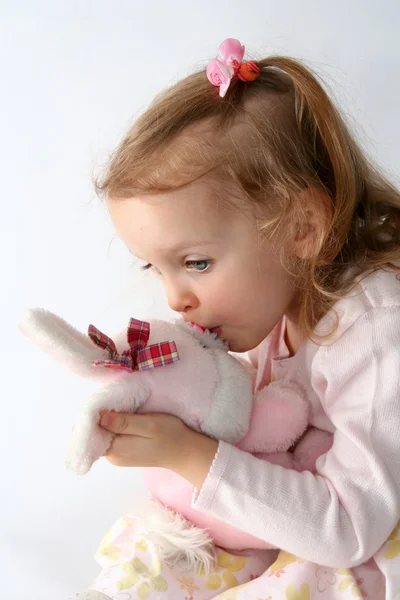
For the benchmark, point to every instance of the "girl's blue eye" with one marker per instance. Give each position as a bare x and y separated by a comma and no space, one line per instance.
198,265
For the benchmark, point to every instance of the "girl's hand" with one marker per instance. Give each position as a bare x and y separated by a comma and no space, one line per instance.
159,440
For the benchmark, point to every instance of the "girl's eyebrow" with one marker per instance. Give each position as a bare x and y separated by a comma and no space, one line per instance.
186,245
179,247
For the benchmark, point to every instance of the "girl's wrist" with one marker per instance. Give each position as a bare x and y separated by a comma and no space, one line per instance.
197,455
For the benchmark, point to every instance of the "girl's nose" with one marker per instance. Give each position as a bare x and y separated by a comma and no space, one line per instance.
181,300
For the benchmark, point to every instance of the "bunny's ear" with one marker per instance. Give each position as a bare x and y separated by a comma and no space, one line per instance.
62,341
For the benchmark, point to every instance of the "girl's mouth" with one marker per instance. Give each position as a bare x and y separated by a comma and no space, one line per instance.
216,330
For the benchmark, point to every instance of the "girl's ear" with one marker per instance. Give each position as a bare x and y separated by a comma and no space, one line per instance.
312,222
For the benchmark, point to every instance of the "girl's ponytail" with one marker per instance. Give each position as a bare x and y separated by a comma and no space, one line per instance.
326,140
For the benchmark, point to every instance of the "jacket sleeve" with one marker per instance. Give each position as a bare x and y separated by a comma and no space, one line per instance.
343,514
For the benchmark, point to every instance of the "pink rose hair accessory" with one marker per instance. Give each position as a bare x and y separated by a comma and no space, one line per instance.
228,64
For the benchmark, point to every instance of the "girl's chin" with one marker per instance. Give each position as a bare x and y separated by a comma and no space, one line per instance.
235,346
242,345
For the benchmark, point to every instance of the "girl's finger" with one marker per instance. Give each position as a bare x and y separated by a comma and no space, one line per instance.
127,423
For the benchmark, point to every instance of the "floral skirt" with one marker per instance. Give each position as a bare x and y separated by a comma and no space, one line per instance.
131,569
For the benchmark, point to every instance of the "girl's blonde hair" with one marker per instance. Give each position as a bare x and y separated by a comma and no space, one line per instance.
272,138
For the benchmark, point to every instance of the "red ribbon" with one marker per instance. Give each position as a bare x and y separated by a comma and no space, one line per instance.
138,357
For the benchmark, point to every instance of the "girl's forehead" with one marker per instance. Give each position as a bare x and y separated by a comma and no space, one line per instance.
175,219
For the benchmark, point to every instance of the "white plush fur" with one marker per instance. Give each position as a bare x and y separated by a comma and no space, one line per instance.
204,385
178,541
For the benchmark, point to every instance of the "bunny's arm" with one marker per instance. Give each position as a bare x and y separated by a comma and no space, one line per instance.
279,417
88,440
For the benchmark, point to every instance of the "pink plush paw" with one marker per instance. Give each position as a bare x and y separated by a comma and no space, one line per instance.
279,417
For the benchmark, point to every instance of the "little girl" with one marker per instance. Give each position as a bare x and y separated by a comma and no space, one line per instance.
243,190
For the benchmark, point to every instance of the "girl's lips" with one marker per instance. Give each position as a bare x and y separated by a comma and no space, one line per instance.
216,330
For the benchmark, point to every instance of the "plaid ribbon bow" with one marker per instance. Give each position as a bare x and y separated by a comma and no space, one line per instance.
138,357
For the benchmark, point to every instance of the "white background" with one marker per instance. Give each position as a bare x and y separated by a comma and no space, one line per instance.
74,74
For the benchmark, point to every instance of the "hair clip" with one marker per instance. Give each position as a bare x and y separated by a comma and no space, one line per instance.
228,64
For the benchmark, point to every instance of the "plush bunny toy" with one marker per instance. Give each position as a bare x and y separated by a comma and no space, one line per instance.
175,368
